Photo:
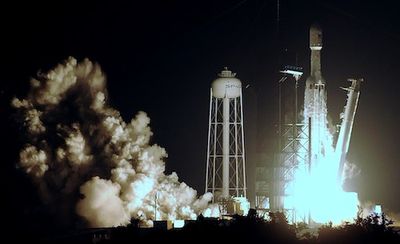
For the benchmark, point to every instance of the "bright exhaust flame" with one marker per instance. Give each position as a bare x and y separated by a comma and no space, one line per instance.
318,196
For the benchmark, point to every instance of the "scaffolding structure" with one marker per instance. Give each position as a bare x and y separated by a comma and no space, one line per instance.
275,187
226,169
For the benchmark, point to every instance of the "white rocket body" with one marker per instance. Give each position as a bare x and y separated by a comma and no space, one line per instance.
315,97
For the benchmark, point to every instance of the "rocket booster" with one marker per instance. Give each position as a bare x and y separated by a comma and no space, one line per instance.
315,105
315,46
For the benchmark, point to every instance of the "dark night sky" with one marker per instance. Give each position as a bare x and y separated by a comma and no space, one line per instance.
160,57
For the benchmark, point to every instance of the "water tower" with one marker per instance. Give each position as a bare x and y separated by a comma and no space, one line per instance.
226,171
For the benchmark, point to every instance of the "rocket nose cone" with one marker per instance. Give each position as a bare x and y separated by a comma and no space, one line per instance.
315,28
315,37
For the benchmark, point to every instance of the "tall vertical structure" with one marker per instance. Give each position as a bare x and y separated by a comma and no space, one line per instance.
306,168
315,108
226,171
292,145
325,165
343,142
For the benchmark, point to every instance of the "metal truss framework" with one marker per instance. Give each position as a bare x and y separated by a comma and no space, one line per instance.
237,171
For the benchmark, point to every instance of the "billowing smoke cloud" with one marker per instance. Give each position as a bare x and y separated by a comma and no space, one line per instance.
76,143
351,170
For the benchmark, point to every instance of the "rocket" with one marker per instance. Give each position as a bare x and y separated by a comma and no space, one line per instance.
315,99
315,46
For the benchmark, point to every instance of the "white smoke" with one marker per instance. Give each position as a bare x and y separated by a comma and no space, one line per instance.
350,170
33,161
102,201
76,143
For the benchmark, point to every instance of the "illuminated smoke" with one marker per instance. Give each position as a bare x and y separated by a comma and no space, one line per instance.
317,194
76,143
351,171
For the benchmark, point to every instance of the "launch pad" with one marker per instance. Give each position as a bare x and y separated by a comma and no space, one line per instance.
304,177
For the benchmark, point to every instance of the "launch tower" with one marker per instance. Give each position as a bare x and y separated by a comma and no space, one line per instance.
307,172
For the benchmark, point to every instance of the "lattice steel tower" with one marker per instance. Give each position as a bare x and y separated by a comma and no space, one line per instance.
293,146
226,171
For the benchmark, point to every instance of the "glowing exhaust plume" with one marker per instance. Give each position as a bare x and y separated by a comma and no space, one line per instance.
317,194
75,142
